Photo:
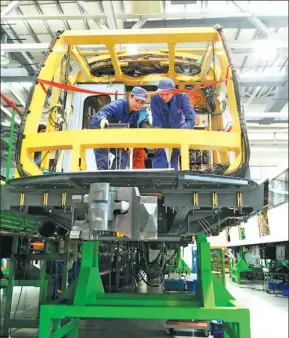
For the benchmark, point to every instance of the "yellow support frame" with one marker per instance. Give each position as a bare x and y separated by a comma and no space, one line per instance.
81,140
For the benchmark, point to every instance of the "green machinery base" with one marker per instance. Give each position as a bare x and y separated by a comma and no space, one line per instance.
86,299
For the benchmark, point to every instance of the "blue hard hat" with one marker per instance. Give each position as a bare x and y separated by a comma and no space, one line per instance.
139,93
166,84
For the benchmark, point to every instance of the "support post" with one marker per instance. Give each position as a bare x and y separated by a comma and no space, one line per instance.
89,282
43,278
9,294
65,263
117,268
205,288
223,267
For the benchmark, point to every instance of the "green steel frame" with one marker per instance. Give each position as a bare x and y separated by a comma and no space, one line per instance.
237,268
218,263
86,299
44,283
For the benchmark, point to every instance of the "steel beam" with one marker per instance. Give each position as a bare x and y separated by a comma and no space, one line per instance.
79,4
7,112
226,20
139,24
254,20
13,5
61,17
16,93
235,45
85,12
110,13
280,98
60,10
28,27
39,10
23,58
185,15
262,80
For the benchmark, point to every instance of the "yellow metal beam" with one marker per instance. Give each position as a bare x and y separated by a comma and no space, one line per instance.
128,138
115,63
55,93
101,52
47,73
206,63
82,63
146,79
172,55
125,36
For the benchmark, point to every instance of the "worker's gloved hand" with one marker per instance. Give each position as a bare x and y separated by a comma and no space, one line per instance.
128,151
104,124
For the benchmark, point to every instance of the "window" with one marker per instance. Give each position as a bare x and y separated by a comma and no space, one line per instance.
91,106
278,190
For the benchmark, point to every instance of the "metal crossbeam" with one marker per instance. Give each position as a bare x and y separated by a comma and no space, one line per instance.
139,24
85,12
254,20
237,47
13,5
7,112
23,58
39,10
110,13
186,15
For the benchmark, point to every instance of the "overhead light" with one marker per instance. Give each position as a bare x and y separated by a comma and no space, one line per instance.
265,50
131,49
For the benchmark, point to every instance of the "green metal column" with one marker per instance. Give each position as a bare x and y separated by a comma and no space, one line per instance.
117,268
74,333
9,293
10,145
223,267
205,287
43,277
65,264
89,281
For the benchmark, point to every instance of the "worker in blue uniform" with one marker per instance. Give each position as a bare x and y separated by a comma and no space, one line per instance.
170,110
119,111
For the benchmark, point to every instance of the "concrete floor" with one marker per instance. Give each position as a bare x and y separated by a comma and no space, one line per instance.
269,317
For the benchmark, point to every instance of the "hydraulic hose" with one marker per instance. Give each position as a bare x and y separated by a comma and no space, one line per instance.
242,170
21,171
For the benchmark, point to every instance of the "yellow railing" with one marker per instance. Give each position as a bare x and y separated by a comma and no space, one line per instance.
81,140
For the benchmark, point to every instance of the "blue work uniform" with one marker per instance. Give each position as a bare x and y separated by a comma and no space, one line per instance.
115,112
177,114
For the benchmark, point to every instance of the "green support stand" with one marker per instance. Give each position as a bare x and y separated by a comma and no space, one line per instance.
218,264
9,284
88,300
239,267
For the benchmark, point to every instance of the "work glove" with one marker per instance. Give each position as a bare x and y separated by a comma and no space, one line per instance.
104,124
128,151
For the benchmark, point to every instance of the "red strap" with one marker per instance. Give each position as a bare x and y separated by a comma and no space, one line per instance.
10,103
87,91
43,87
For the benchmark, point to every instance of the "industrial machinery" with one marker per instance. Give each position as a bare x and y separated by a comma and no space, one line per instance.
67,197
